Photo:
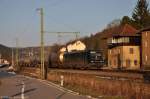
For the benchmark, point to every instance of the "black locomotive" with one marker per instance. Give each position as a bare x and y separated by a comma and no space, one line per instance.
87,59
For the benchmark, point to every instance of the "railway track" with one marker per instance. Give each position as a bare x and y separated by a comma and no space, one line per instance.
130,75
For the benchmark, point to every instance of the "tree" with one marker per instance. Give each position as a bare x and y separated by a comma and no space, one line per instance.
126,20
114,23
141,14
55,48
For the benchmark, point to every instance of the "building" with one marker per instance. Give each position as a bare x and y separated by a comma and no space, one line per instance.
124,48
76,46
145,47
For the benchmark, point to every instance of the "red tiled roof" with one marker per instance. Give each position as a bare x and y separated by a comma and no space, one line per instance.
122,30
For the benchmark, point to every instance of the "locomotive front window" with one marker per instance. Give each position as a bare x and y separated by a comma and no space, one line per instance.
97,57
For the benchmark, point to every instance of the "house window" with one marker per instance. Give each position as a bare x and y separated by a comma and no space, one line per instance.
135,62
146,34
131,50
128,62
146,58
145,43
110,51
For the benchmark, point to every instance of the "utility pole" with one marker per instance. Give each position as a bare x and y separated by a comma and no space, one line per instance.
0,58
12,61
43,68
77,35
17,67
43,73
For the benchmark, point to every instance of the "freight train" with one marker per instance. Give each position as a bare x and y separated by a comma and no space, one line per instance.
87,59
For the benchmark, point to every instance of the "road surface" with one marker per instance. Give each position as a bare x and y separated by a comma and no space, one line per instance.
21,87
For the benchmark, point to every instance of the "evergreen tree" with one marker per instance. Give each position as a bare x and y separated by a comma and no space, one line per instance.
126,20
141,14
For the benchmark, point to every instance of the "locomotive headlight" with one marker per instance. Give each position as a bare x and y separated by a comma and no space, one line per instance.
92,61
92,52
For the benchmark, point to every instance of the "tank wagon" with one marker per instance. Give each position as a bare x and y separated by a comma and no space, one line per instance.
87,59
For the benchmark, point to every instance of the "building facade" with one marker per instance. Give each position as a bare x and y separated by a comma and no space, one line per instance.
124,49
124,57
145,48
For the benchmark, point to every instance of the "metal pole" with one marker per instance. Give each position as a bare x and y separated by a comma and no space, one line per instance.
42,44
12,58
17,67
76,35
59,37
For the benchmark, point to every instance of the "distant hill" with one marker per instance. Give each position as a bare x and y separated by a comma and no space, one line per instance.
33,53
24,53
5,52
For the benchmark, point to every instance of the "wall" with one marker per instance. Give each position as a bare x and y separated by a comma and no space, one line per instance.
121,55
146,49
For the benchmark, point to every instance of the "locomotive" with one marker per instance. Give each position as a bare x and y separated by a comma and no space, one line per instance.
85,59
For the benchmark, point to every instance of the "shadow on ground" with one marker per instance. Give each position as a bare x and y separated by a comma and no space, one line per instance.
61,95
26,91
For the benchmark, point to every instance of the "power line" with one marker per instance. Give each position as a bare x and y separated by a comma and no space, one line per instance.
56,3
59,34
66,25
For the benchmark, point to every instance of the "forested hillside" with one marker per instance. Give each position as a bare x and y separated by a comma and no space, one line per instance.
5,52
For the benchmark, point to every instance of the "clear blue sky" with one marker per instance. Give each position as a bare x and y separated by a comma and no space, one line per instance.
19,18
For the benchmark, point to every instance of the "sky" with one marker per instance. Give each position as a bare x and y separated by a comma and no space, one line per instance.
20,19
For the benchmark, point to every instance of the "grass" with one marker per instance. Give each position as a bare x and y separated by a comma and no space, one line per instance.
87,84
91,85
31,71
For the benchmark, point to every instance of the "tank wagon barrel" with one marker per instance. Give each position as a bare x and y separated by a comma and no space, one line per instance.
77,59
